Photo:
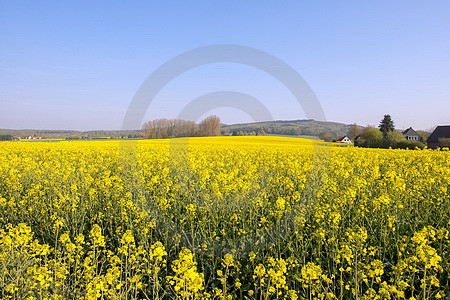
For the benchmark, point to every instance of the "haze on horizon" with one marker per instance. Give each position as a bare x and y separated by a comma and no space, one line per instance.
78,65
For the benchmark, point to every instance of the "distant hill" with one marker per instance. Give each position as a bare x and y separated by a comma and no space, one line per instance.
293,127
290,128
70,133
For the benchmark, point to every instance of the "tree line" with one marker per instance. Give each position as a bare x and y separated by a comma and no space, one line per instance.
385,136
289,127
6,137
243,133
172,128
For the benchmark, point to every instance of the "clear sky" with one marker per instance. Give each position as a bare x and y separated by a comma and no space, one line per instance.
78,64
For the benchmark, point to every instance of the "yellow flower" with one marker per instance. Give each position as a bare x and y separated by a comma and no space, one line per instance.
187,281
98,239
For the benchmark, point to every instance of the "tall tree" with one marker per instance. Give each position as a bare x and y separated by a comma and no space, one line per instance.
326,136
386,125
354,131
166,128
210,126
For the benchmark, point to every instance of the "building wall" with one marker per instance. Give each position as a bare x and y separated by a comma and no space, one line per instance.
412,138
346,140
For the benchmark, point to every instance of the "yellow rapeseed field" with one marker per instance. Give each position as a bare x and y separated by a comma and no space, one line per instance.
222,218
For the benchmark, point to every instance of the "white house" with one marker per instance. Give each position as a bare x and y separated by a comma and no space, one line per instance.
344,139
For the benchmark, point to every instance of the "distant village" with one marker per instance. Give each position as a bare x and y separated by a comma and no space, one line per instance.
439,138
30,137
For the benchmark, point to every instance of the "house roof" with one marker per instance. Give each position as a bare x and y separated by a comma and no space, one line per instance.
439,132
340,138
410,132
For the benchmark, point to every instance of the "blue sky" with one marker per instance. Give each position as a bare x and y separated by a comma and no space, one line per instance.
78,65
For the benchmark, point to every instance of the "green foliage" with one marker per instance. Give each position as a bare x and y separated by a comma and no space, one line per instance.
326,136
262,132
444,142
73,137
370,137
423,134
6,137
373,138
386,124
392,138
408,145
294,127
354,131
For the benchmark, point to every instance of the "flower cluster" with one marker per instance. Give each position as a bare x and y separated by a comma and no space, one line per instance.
187,282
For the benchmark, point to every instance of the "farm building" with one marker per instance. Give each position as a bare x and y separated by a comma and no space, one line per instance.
344,139
411,135
440,137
